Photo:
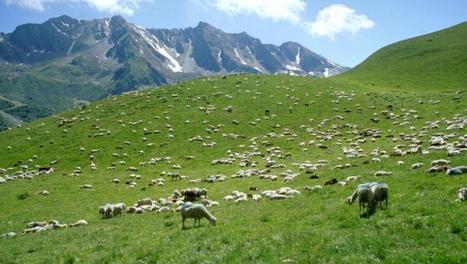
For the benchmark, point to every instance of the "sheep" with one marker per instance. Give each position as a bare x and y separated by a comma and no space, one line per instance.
8,235
352,178
314,188
86,186
106,211
365,198
416,165
277,197
330,181
35,224
437,168
78,223
145,201
440,162
256,197
229,198
381,194
164,209
118,209
456,170
241,199
35,229
197,212
44,193
382,173
462,194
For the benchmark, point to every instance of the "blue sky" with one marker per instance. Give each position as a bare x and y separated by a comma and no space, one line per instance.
344,31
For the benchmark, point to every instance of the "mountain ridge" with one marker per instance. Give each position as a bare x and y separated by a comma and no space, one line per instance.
64,61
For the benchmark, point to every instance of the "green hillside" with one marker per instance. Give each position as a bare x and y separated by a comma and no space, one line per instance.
311,119
436,61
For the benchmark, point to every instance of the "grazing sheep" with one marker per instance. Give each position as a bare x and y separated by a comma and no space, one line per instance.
78,223
456,170
229,198
437,168
107,211
440,162
209,203
381,193
462,194
314,188
382,173
365,198
277,197
241,198
330,181
197,212
256,197
8,235
86,186
118,209
352,178
44,193
416,165
35,229
145,201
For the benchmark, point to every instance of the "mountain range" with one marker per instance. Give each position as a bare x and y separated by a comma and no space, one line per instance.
65,62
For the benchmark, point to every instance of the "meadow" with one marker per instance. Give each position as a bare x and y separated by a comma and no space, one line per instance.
422,224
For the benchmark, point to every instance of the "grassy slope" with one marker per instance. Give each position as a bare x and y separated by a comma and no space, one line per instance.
423,223
434,61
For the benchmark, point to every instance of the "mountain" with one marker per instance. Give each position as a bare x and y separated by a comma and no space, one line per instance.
64,62
433,61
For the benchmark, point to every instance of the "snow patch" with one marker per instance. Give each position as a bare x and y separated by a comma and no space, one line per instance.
64,24
292,67
219,58
71,47
333,64
152,41
297,58
256,68
61,32
238,56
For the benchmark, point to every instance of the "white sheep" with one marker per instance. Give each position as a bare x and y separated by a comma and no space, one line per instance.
78,223
197,212
8,235
144,201
381,193
241,199
365,197
229,198
382,173
256,197
462,194
416,165
118,209
314,188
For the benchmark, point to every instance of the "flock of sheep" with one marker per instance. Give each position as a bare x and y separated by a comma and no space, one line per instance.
260,157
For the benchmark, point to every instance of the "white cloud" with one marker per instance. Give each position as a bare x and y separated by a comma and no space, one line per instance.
336,19
124,7
277,10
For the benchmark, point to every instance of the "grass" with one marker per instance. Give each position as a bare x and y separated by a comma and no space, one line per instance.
423,224
435,61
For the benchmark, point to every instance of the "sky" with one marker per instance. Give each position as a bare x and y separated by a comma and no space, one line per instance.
344,31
